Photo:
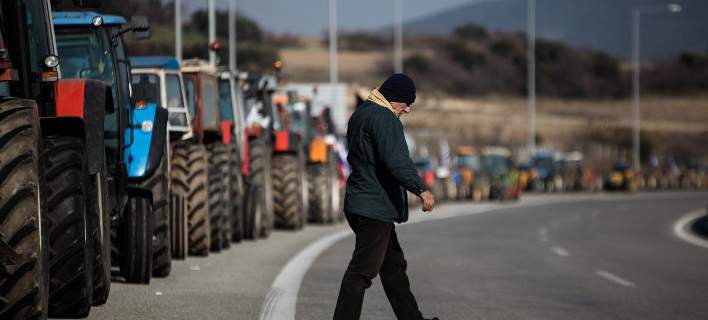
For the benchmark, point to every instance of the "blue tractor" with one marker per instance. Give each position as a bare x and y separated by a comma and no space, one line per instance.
158,80
91,46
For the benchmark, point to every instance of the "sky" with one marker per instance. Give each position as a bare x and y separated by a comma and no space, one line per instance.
310,17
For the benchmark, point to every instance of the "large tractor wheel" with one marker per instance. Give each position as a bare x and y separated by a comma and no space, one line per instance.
236,189
218,193
189,172
24,284
135,236
161,252
260,206
287,205
320,198
179,226
71,249
100,217
304,187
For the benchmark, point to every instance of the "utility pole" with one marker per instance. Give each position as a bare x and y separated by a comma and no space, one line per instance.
232,36
211,8
636,73
178,30
333,71
531,73
636,66
398,36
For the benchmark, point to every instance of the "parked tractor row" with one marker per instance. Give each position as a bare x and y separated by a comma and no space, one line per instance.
111,166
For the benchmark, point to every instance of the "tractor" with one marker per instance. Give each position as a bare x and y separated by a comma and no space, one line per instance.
288,161
157,79
232,121
210,219
54,243
92,47
261,120
473,182
324,170
502,173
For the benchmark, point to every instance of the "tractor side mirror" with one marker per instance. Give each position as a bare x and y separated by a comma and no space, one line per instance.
88,3
141,27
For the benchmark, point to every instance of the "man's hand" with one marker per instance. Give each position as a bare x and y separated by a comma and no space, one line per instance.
428,201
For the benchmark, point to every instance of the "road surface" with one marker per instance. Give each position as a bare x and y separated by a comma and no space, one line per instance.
582,256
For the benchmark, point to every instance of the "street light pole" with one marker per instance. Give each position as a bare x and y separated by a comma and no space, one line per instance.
178,30
333,71
232,36
636,65
531,74
212,30
636,73
398,36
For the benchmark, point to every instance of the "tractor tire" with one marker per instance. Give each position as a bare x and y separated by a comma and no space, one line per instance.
135,238
253,210
71,249
335,197
161,251
179,226
236,189
218,178
100,217
320,199
304,187
260,178
190,177
24,260
287,205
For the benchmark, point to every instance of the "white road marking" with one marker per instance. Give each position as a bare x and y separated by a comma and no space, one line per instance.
158,293
682,228
194,268
543,235
616,279
561,252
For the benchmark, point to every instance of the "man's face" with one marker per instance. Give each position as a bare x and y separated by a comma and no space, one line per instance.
400,108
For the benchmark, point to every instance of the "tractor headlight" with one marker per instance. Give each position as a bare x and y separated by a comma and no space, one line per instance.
97,21
146,126
51,61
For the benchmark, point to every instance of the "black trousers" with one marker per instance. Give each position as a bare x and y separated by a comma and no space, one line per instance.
376,251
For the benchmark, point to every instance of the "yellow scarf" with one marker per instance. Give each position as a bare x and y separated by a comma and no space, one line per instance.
378,98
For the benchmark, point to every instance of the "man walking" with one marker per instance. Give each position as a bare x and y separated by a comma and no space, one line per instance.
382,171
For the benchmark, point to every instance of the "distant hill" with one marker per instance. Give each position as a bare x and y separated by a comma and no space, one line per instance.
599,24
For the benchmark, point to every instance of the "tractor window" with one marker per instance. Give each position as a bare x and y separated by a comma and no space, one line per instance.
225,101
190,90
146,87
86,53
175,101
39,44
210,107
496,164
471,162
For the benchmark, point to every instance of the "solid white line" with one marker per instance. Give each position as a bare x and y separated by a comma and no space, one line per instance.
682,228
613,278
561,252
282,297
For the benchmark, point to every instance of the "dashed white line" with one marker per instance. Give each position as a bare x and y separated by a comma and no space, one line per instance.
614,278
682,226
561,252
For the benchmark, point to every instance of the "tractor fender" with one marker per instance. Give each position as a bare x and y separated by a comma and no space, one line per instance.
286,142
81,106
149,135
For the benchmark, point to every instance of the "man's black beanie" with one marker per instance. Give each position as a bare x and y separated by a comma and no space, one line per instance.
398,88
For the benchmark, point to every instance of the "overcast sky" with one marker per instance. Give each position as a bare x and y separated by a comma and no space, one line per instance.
310,17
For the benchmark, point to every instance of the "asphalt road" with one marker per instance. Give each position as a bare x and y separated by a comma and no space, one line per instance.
604,256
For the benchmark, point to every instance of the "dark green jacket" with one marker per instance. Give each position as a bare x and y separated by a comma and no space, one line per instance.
381,166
